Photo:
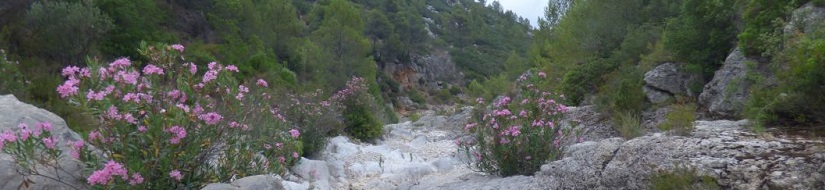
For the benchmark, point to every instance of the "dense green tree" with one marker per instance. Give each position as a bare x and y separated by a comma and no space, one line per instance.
51,21
341,36
137,20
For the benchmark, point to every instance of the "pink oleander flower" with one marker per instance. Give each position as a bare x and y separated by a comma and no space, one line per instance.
192,68
70,71
294,133
142,129
214,66
113,114
175,174
136,177
262,82
210,76
232,68
234,124
8,136
198,109
542,74
295,155
92,95
68,88
179,133
177,47
242,88
503,102
469,126
49,142
522,113
211,118
120,63
504,112
514,131
45,126
131,97
75,147
281,159
152,70
127,77
95,135
85,72
105,175
103,73
129,118
279,145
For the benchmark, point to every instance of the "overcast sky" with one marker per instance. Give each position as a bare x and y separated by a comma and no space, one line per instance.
529,9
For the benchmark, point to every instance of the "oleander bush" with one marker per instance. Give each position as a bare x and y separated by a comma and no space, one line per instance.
514,135
166,123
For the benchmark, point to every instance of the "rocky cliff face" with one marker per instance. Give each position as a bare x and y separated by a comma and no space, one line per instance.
433,71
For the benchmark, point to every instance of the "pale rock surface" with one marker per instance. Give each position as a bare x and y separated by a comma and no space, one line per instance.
671,79
14,112
256,182
725,95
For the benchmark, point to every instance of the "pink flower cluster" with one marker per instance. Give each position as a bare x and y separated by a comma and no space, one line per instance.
175,174
294,133
262,83
109,171
152,70
211,118
7,136
92,95
178,134
75,148
177,47
354,86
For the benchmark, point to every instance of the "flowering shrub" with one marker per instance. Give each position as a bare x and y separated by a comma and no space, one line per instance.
515,135
359,106
36,151
164,125
315,117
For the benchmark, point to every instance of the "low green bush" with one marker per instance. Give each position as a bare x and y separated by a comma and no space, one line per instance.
682,178
680,119
361,124
416,97
628,124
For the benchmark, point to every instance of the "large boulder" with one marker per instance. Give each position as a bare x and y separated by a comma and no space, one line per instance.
806,19
720,149
12,113
725,95
669,78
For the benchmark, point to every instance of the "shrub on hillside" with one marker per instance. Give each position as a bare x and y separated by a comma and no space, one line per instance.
166,125
680,119
12,81
359,108
516,135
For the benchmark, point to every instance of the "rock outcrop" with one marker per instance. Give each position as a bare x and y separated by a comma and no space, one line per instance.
433,71
725,95
257,182
805,19
14,112
719,149
668,80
